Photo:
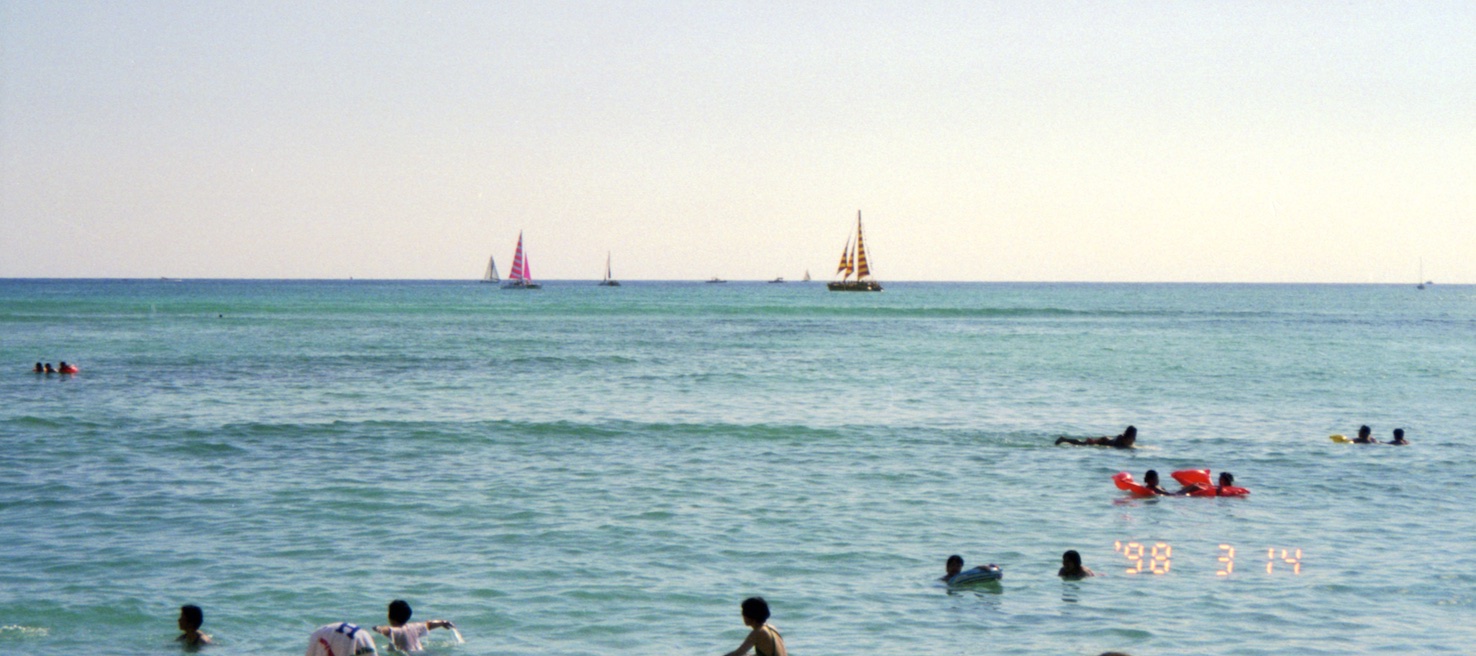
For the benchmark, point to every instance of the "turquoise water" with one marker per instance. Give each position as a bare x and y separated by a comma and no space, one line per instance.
587,470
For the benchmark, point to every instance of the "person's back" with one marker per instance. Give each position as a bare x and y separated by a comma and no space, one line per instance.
1399,438
340,639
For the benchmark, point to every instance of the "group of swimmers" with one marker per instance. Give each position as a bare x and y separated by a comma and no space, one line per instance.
340,638
62,368
347,639
1365,436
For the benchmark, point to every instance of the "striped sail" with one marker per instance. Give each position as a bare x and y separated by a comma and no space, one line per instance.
845,261
520,270
862,269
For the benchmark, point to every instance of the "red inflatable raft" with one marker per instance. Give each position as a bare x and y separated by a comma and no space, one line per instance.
1201,486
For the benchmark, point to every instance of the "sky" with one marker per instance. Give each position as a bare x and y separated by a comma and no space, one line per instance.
982,141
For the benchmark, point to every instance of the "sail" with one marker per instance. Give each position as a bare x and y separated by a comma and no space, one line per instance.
521,272
845,261
807,275
607,266
491,274
862,269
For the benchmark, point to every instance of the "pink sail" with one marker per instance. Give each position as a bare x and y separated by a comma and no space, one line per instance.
520,266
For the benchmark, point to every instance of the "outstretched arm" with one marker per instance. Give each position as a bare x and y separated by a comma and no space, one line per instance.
747,645
439,624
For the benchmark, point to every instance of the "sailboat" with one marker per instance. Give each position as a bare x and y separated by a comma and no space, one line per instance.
807,276
491,274
608,281
1421,284
521,276
853,261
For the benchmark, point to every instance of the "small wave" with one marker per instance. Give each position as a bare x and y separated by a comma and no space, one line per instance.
20,631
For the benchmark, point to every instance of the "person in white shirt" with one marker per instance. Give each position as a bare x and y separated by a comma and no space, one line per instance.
341,639
404,634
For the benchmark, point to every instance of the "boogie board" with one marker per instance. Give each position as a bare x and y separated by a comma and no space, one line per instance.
980,574
1340,439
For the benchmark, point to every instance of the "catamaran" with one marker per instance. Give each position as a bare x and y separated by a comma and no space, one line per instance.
491,274
608,281
521,276
853,261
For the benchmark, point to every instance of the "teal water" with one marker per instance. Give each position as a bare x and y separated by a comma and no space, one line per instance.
586,470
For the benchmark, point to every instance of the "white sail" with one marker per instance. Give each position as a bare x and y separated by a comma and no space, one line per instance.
491,274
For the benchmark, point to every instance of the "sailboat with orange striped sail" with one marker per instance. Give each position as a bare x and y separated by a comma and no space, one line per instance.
521,276
853,262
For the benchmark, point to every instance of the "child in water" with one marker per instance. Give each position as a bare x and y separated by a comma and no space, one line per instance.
404,634
952,567
1399,438
190,619
1071,567
1150,481
764,640
1123,441
1365,436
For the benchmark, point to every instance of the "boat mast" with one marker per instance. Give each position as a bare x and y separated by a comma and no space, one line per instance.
862,268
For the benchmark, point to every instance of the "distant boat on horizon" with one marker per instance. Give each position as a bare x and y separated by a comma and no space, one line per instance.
715,280
491,274
807,276
780,279
1422,282
853,261
608,281
521,276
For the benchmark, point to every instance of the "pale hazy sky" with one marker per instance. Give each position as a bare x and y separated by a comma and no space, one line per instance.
1112,141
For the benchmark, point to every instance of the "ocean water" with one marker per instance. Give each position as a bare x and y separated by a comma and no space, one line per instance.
585,470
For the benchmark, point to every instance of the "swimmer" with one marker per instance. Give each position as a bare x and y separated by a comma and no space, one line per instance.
952,567
1398,438
39,369
764,640
341,639
1071,567
404,634
49,370
1365,436
190,619
1226,480
1150,481
1123,441
65,368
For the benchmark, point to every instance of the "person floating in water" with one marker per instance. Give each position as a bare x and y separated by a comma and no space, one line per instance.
39,369
1071,566
404,634
1365,436
65,368
1150,481
49,368
1398,438
764,640
952,567
1123,441
190,619
341,639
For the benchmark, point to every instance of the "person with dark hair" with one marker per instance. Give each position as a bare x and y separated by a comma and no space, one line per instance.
49,368
1071,566
1365,436
1123,441
1399,438
190,619
764,640
404,634
952,567
39,369
1150,481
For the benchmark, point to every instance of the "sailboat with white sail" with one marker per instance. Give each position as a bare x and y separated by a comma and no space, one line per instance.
608,281
521,276
853,261
491,273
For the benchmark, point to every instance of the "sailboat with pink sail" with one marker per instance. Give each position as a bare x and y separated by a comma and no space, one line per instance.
521,276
